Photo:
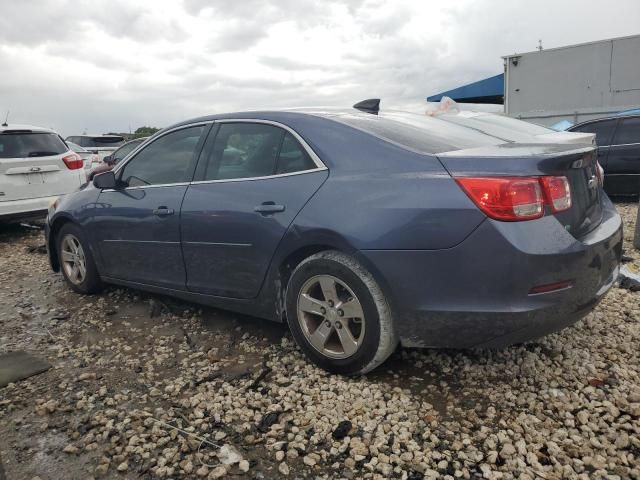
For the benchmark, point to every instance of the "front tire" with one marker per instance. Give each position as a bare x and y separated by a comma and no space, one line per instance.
76,261
338,314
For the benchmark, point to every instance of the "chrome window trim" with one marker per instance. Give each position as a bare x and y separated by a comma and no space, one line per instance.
250,179
320,166
144,187
623,144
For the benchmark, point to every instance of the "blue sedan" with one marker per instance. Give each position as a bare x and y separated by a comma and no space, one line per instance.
360,230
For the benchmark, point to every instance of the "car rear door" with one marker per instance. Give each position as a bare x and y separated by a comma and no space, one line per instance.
623,165
137,225
250,184
32,165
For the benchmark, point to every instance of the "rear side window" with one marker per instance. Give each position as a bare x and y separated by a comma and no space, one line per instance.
165,161
628,131
418,133
244,150
31,144
603,130
293,158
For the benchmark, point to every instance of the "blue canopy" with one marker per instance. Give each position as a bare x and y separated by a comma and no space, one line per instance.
489,90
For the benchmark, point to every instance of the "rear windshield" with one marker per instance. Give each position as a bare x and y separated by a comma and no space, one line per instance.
112,142
31,144
419,133
513,124
501,127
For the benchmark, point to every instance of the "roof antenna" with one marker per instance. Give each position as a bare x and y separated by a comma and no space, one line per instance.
5,124
371,105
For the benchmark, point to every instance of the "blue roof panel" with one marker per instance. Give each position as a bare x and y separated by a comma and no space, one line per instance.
489,90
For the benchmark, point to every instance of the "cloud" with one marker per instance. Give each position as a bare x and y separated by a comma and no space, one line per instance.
105,65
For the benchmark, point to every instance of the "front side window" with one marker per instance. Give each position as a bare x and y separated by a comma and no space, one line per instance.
628,131
28,144
603,130
165,161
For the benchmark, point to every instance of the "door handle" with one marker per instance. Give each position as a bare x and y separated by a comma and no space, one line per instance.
163,211
268,208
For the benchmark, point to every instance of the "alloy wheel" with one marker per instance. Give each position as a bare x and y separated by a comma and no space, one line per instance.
73,259
331,316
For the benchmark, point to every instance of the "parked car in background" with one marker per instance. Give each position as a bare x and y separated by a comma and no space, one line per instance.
618,140
359,230
113,159
36,166
91,160
102,145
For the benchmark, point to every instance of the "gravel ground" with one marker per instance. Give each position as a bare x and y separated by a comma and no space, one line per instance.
144,387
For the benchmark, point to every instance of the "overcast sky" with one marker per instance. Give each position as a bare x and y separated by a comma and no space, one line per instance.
117,64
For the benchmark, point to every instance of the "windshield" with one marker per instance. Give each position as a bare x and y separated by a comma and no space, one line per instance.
30,144
76,148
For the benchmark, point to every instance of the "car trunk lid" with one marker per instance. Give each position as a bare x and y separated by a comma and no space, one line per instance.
577,162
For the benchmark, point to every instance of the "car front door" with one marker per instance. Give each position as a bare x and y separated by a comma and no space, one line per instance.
137,225
249,186
623,166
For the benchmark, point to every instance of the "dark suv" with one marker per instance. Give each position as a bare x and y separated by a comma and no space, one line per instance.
618,140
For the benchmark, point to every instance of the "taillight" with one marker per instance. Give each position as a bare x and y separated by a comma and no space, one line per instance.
73,161
558,193
505,198
513,199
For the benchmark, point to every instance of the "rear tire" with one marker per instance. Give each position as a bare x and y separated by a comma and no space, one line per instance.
76,261
338,314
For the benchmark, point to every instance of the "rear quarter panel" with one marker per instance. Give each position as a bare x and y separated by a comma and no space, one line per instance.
381,196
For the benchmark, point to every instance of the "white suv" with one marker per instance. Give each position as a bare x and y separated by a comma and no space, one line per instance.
36,166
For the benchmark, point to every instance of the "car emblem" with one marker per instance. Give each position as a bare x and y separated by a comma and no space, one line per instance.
35,169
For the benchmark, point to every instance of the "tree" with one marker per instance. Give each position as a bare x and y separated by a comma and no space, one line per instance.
144,132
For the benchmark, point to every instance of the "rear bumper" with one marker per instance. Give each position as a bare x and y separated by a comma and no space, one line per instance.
477,293
29,207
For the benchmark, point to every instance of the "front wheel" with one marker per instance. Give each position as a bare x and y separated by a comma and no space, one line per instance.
338,314
76,261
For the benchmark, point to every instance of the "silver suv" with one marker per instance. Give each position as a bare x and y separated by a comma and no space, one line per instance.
102,145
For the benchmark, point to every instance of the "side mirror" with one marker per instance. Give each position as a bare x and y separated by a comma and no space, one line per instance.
105,180
107,159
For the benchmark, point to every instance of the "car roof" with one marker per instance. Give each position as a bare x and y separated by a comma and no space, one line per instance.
32,128
98,135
